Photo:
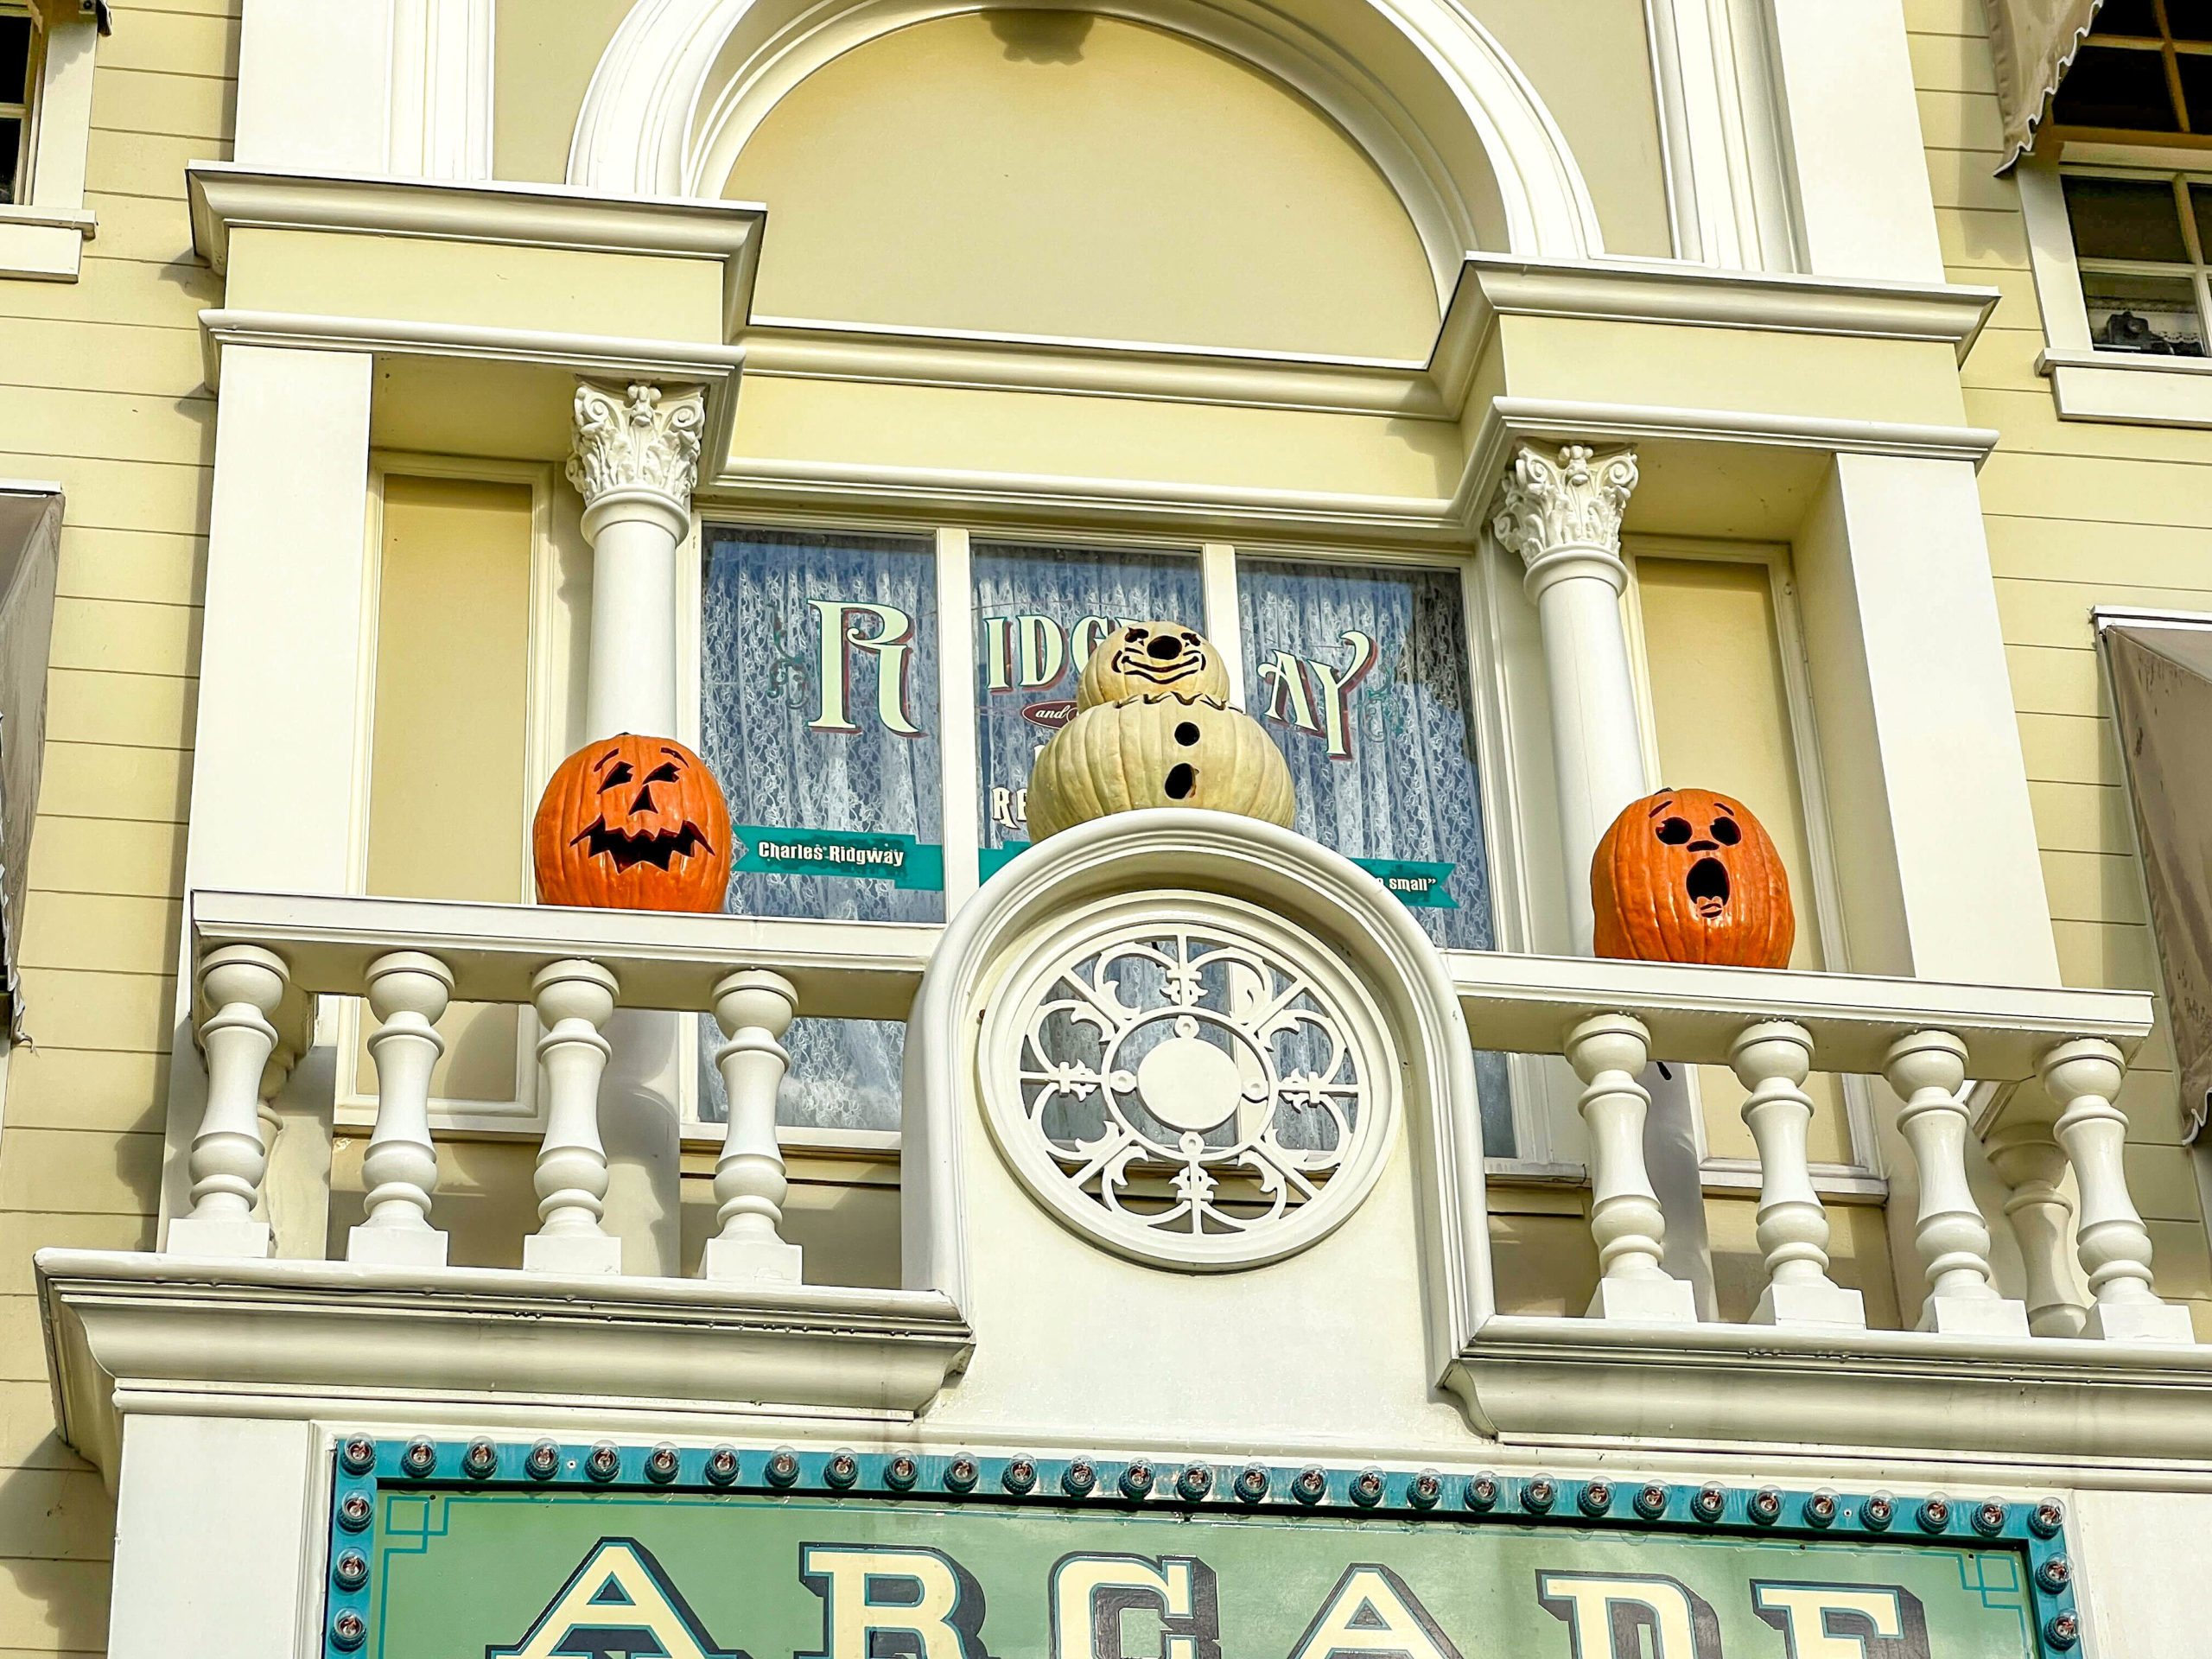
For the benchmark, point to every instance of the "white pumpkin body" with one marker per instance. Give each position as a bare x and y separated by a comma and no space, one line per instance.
1157,751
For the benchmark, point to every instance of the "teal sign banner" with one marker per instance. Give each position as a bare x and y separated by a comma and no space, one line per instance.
1419,885
440,1550
903,861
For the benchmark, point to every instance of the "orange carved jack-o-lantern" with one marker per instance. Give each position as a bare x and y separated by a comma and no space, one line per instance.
1688,875
632,823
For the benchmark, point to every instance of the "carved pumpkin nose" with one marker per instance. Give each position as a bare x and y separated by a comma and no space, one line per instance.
644,803
1164,646
1704,846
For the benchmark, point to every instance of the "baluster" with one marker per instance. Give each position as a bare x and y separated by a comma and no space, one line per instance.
271,1121
408,992
575,1000
1927,1069
754,1009
2031,1165
1607,1051
242,985
2083,1078
1772,1059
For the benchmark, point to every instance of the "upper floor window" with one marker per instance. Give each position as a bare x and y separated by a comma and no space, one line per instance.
19,67
2142,244
2145,68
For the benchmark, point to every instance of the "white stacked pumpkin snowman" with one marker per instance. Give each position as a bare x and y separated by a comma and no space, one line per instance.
1152,728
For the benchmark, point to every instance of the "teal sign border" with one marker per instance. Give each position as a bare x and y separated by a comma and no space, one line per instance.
366,1467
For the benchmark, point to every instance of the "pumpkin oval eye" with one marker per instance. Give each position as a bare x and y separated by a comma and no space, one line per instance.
1675,832
1727,831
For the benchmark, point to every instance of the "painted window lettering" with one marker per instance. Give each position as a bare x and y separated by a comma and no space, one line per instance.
1314,696
1844,1621
893,1603
1090,1594
1629,1615
843,637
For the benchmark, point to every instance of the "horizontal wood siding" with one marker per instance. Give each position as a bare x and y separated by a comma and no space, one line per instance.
100,388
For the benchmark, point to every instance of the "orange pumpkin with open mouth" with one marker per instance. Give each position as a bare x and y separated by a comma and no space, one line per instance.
1688,875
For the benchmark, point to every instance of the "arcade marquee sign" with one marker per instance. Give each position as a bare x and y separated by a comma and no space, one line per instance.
485,1550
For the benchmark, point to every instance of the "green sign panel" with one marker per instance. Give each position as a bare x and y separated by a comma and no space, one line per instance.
872,1558
903,859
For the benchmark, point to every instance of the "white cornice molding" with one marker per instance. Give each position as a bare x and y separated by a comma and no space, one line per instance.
224,196
302,1338
2049,1399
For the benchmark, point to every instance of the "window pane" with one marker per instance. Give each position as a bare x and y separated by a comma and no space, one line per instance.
2199,196
11,145
1360,674
844,1074
2139,18
2189,20
15,60
2196,69
2156,315
1039,610
2116,87
818,713
2125,218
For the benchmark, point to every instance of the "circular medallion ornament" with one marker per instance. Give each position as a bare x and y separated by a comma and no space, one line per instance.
1189,1081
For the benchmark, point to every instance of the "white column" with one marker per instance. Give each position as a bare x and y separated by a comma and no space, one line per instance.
573,1001
408,992
280,662
242,985
754,1009
1927,1069
1772,1059
1626,1219
1851,121
2031,1165
2083,1078
1559,511
441,80
1927,788
635,461
314,86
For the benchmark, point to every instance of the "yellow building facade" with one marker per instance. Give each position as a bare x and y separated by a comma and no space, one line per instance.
1533,413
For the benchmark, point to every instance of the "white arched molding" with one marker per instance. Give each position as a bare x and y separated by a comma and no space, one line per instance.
1422,88
1022,910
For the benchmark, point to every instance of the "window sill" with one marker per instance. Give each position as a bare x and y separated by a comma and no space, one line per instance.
2094,385
43,244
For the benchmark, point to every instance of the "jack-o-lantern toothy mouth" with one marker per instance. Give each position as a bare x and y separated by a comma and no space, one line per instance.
1139,664
656,847
1708,886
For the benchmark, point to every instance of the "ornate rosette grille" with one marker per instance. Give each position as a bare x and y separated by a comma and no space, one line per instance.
1207,1091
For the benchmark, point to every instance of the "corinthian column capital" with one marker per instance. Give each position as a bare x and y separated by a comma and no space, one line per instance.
1561,511
637,445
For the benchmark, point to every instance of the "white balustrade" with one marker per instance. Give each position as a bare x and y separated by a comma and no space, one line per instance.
2083,1078
754,1009
575,1000
2031,1165
408,992
1607,1051
243,986
1772,1059
1927,1069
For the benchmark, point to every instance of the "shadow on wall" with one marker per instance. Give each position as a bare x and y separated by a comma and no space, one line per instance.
64,1513
1041,36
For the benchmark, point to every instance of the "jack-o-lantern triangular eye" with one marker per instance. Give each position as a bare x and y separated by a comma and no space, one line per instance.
663,773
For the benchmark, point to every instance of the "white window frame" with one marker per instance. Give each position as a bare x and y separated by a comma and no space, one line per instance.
45,237
2089,384
1521,915
1863,1178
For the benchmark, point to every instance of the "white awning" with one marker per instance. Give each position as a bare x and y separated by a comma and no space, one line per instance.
2034,42
31,538
2161,699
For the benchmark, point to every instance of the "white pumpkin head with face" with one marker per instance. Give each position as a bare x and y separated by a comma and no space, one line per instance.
1153,727
1151,659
